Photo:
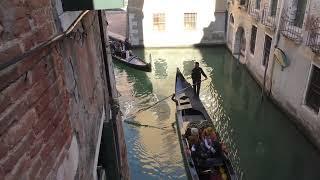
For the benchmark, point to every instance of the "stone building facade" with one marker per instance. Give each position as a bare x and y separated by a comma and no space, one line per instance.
279,42
55,92
163,23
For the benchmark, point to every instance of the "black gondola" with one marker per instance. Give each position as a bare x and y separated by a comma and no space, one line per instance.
130,60
191,113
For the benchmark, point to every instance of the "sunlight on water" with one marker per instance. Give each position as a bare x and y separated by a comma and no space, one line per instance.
262,142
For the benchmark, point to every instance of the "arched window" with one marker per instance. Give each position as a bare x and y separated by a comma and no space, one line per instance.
231,19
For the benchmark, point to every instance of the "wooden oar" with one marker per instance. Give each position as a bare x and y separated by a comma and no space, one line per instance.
165,98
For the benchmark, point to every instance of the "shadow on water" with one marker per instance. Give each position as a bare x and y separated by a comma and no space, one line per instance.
139,79
187,68
263,141
160,67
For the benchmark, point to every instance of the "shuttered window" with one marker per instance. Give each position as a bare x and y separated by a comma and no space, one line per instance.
300,11
253,39
313,93
267,47
258,2
242,2
273,10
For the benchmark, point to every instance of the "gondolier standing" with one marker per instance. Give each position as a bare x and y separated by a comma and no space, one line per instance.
127,47
196,78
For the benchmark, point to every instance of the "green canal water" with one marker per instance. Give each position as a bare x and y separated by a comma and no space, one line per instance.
263,142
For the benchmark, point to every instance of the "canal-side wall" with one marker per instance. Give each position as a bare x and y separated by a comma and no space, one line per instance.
209,23
288,86
53,102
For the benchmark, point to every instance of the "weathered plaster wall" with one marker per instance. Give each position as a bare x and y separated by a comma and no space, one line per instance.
135,18
289,85
85,82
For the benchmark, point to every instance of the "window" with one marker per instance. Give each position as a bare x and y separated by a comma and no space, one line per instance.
231,19
258,4
242,2
190,21
253,39
273,10
159,22
300,11
313,93
267,47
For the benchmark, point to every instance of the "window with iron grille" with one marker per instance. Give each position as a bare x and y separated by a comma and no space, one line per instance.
159,22
273,9
253,39
190,21
313,93
300,11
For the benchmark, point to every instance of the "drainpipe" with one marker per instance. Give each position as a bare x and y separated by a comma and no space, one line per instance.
276,42
226,25
113,109
127,23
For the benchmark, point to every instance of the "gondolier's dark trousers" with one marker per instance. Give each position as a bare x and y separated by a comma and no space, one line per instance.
196,86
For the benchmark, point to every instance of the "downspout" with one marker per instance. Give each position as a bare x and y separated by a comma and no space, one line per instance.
276,42
127,23
226,25
107,71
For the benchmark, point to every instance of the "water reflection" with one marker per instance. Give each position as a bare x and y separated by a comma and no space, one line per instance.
262,141
160,67
188,65
141,84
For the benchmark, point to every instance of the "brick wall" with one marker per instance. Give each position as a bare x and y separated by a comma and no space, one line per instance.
51,103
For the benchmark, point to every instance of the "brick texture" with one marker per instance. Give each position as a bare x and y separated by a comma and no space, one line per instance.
34,103
50,96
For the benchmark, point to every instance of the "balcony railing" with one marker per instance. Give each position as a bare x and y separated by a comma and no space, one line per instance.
269,18
253,11
313,28
289,28
314,42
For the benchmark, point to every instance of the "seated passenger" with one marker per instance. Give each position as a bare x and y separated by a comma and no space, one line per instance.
207,140
200,157
210,132
187,134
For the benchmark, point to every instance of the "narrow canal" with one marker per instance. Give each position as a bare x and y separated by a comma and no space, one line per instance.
262,141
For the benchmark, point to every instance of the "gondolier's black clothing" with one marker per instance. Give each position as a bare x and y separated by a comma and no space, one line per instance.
196,79
127,45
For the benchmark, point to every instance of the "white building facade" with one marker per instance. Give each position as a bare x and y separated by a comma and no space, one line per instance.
165,23
279,42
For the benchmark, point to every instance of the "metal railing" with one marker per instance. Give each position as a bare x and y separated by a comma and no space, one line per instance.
314,42
289,28
269,18
313,28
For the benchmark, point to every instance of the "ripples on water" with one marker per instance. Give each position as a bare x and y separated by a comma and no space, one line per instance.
261,140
